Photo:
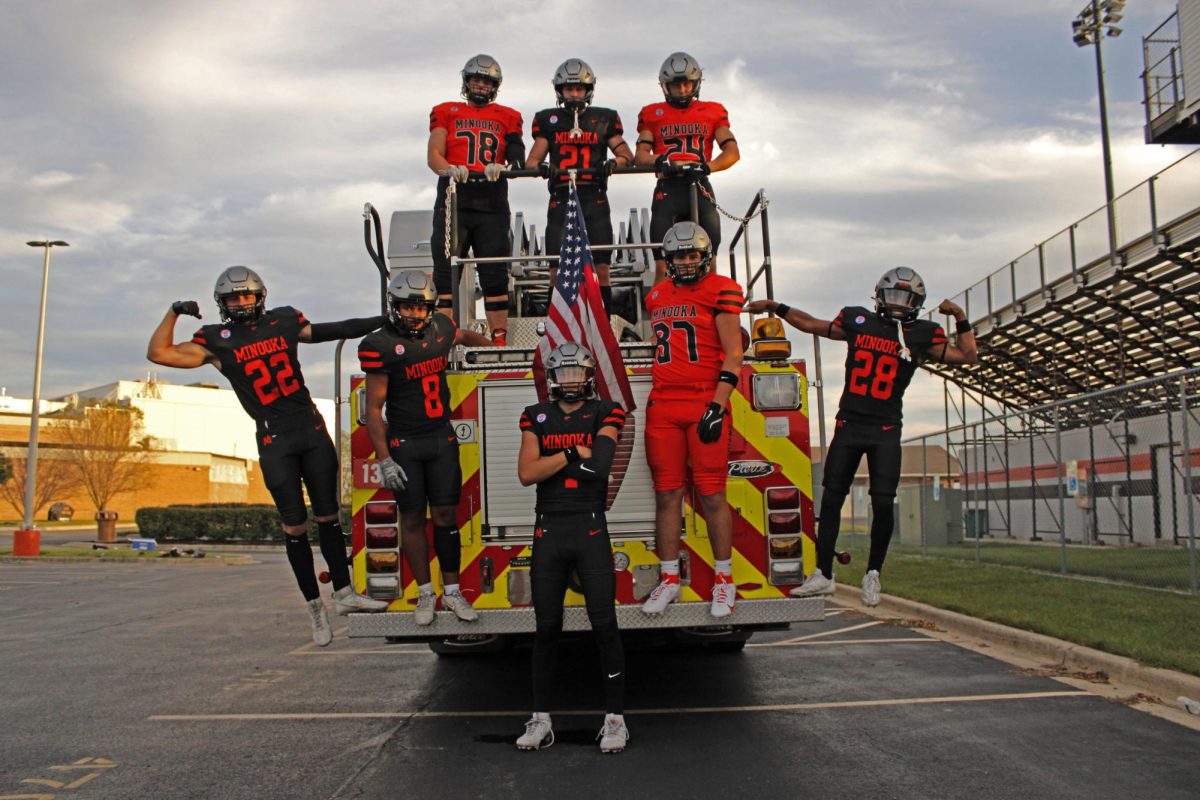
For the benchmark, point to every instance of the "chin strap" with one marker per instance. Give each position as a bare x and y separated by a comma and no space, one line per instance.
905,353
577,131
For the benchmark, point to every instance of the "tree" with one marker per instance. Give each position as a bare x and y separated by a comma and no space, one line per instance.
107,450
6,468
56,479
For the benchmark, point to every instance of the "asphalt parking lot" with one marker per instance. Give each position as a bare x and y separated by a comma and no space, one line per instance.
185,680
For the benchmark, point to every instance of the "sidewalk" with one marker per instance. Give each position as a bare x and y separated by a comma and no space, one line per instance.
1118,678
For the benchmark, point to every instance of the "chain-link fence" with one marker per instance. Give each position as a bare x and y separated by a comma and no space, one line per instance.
1102,485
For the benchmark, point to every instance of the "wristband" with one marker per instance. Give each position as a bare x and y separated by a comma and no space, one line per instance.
728,377
962,326
781,309
572,454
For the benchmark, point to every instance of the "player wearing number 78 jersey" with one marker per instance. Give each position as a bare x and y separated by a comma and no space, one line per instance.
257,351
884,347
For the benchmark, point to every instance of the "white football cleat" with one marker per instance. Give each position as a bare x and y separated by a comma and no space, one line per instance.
724,594
870,588
614,735
345,600
816,586
662,596
423,615
461,606
321,632
538,733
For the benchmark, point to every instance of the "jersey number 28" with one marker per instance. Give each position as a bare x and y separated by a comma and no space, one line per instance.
873,374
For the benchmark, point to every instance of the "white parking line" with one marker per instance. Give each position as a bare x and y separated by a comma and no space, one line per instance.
821,635
764,709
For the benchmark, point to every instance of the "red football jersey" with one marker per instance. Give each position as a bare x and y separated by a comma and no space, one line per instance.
475,136
688,349
683,130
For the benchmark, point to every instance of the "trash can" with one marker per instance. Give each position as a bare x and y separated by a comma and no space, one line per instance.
106,526
61,512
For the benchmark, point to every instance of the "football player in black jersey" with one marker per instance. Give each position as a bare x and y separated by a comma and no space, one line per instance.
567,448
578,136
405,362
884,347
256,350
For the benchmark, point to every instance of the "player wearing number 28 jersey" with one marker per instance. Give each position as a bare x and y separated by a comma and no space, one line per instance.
884,347
257,351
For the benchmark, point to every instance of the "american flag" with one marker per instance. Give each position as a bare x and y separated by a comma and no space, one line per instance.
577,314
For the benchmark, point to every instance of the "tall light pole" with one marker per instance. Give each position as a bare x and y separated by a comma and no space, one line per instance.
1097,20
31,464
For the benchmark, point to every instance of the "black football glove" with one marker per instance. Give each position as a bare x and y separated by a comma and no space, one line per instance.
547,170
709,428
665,166
610,165
693,167
189,307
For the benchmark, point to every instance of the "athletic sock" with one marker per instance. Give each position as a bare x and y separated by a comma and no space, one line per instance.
300,556
723,566
333,549
669,569
425,588
450,588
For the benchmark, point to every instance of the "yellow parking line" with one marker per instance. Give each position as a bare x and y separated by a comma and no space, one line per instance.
774,708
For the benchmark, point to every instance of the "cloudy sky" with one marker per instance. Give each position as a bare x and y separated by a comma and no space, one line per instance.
168,140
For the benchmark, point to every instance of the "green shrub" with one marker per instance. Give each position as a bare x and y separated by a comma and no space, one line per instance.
217,522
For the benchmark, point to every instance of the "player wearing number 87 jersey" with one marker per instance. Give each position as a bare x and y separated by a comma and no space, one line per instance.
405,362
884,347
257,351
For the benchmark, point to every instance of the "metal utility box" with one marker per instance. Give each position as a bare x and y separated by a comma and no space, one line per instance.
942,510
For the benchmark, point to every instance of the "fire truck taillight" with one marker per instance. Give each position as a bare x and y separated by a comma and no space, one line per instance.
785,529
783,497
769,340
380,513
383,549
383,562
776,391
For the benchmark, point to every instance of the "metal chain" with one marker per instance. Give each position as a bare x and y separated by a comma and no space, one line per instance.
449,220
743,220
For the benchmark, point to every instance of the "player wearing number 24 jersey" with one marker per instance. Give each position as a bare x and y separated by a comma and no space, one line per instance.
257,351
884,347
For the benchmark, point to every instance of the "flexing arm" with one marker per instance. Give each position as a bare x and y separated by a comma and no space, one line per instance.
798,319
185,355
729,154
316,332
533,467
965,352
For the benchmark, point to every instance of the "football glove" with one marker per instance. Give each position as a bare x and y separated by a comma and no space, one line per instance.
391,475
456,172
493,171
547,170
610,165
189,307
709,428
665,166
692,167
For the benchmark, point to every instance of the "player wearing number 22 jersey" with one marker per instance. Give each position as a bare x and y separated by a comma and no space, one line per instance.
884,347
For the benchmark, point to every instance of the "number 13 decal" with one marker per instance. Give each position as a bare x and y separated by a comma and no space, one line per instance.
277,370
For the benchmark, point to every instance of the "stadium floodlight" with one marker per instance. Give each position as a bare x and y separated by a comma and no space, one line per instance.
31,463
1090,27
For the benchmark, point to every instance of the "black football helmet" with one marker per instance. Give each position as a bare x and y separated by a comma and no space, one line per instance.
899,294
412,286
571,373
680,67
574,72
238,281
687,237
482,66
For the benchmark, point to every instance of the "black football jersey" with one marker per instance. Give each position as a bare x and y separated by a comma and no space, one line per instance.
586,150
556,432
418,399
876,373
261,362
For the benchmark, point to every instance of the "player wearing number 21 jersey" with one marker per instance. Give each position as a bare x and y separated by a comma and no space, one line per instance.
257,351
884,347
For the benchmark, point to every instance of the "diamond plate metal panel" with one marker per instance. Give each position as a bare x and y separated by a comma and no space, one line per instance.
399,624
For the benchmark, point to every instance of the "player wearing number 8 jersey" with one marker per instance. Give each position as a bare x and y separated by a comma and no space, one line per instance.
257,351
884,347
405,362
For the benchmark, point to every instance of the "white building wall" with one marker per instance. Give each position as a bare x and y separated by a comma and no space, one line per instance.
1189,46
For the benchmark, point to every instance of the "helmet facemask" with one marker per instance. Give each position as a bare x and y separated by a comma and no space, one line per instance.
407,324
244,313
572,382
900,294
690,272
481,66
680,67
235,282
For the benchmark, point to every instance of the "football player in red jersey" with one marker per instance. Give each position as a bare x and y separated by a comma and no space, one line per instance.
256,350
677,137
696,366
567,448
578,136
405,362
884,347
467,136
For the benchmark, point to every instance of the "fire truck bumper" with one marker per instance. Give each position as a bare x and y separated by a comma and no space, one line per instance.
748,614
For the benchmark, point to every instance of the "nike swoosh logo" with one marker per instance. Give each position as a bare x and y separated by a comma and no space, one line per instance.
593,533
615,675
442,339
586,469
888,427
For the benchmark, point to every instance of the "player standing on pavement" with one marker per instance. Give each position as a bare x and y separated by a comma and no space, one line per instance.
677,138
883,350
567,448
474,136
578,136
256,350
405,362
696,367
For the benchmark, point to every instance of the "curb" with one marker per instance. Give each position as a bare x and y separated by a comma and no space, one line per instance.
1164,683
235,561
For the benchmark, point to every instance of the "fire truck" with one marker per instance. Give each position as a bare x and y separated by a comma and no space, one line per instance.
770,470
